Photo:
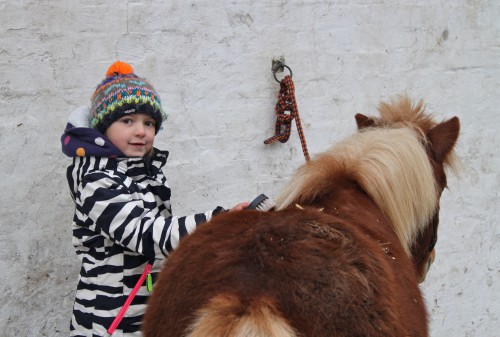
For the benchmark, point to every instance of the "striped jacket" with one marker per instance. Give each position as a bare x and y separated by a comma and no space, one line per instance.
122,220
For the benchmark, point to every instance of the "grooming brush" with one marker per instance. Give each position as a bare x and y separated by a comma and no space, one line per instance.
261,203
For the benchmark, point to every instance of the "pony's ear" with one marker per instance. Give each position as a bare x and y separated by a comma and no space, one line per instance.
443,137
363,121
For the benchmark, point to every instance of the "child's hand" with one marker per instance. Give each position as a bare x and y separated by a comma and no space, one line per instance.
239,207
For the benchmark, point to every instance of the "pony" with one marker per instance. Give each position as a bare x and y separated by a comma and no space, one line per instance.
342,254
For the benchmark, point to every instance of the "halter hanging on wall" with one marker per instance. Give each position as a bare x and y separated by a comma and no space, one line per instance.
286,109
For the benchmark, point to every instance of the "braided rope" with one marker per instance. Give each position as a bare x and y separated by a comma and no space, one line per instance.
287,103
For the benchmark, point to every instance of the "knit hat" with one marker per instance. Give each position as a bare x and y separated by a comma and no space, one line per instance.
121,93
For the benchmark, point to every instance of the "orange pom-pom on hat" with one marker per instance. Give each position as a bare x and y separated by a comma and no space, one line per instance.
119,68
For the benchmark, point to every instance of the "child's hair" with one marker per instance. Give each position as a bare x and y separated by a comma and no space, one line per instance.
121,93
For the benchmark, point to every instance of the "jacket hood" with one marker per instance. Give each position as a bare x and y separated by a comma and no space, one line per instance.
79,140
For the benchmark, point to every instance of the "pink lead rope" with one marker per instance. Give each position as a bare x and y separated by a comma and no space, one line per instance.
145,274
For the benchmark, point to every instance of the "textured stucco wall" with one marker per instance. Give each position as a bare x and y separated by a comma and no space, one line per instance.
210,61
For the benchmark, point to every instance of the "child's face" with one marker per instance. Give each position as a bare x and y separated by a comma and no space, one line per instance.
132,134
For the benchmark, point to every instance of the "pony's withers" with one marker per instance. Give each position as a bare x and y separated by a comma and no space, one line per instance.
353,234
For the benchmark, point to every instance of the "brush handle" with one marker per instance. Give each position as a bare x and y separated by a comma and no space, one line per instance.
256,202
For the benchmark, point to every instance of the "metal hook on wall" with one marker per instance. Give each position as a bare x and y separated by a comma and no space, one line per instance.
278,65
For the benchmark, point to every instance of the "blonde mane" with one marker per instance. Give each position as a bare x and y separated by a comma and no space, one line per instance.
390,164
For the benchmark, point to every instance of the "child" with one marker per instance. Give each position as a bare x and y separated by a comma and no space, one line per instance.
123,217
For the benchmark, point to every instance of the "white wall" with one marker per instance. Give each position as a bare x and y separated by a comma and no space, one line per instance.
210,61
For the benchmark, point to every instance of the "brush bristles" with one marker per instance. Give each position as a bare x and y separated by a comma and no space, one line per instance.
265,205
261,203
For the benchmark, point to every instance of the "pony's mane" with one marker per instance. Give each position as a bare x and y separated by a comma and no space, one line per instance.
403,113
389,162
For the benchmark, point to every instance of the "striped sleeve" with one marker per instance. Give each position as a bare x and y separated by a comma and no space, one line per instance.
107,206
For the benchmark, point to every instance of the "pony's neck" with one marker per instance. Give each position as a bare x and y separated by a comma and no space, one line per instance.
348,202
390,165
